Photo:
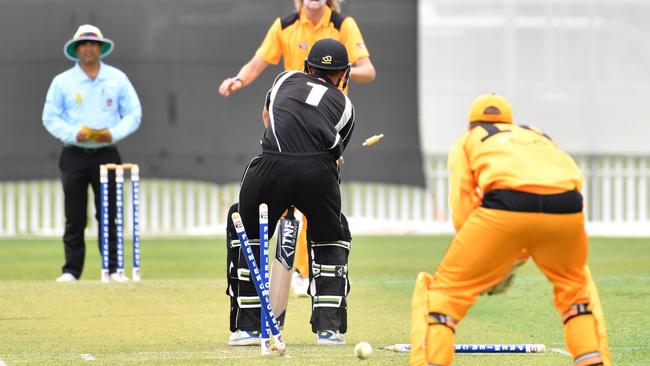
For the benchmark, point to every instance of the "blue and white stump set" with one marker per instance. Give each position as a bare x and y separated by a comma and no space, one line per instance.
119,218
261,281
479,348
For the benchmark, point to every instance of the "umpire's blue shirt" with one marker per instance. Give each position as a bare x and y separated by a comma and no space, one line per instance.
75,100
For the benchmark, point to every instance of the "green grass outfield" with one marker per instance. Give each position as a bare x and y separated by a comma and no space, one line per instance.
178,314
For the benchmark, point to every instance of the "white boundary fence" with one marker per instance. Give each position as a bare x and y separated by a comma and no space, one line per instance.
616,193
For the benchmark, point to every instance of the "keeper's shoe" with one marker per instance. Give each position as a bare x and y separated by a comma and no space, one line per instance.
244,338
329,337
299,284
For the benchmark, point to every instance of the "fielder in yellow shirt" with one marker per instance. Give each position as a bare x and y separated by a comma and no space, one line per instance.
291,37
511,190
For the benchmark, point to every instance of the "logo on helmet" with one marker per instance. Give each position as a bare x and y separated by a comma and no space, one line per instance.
327,60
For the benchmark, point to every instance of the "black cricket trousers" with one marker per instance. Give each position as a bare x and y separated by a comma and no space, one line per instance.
80,167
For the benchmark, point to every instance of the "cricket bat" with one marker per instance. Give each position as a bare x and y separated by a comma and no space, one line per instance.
287,238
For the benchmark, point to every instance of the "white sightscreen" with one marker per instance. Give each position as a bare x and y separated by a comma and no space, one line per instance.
579,70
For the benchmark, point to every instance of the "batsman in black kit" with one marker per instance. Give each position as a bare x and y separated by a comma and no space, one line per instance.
308,123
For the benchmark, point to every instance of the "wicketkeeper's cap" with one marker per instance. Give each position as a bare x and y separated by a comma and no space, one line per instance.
328,54
87,32
490,108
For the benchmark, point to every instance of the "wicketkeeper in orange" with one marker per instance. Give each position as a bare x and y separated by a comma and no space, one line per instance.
512,190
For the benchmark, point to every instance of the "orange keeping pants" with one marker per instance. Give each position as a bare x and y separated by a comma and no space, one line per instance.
599,314
482,253
301,261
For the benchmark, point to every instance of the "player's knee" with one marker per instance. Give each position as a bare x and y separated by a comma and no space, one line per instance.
330,273
576,310
442,319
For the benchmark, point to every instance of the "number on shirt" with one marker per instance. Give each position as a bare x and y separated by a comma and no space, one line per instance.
315,94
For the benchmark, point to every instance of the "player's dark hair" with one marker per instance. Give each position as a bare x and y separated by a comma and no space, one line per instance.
324,72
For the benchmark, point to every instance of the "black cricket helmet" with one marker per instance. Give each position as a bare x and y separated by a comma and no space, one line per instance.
329,54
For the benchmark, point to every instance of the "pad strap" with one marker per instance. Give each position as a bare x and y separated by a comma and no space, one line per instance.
442,319
248,302
243,274
576,310
328,301
338,243
329,270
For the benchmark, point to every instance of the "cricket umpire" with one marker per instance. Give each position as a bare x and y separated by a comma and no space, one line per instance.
528,190
89,108
308,123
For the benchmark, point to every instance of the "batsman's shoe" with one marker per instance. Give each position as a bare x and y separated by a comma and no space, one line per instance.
329,337
66,277
244,338
299,284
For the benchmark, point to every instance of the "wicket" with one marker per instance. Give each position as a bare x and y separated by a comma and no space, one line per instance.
265,341
479,348
119,218
258,282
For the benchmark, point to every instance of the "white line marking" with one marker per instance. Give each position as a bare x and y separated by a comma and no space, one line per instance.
2,363
85,357
560,351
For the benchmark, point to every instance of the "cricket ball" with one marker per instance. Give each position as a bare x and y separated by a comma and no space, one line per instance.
363,350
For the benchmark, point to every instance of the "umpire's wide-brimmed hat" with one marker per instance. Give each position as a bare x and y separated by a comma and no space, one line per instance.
87,32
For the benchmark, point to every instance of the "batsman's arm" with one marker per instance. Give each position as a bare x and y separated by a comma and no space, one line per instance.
246,75
266,118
